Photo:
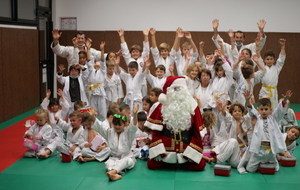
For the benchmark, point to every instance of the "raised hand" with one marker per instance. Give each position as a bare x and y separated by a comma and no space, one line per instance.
147,61
121,32
187,55
136,109
56,34
179,33
215,24
146,32
261,25
48,93
282,41
255,58
119,53
74,41
102,44
287,95
171,68
59,92
117,61
92,111
61,67
230,33
188,35
201,44
88,43
257,41
247,94
152,31
220,105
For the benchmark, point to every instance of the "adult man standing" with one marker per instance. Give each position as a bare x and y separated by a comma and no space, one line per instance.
176,124
71,52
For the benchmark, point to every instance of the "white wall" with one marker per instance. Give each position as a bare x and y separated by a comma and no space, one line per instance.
190,15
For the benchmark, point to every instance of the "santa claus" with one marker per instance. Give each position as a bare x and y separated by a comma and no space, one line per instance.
176,124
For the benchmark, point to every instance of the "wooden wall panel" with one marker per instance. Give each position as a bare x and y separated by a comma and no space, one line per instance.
288,77
20,71
1,81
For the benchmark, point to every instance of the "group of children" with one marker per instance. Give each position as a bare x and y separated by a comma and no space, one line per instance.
222,83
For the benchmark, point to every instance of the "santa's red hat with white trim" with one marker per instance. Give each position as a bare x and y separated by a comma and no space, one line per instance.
171,82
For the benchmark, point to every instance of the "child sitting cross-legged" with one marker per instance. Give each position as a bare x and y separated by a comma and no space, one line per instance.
93,146
119,139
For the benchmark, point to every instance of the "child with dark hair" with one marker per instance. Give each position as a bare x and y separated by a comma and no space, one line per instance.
267,140
73,84
154,94
87,141
119,139
53,106
147,104
136,54
142,138
134,82
270,80
160,71
290,137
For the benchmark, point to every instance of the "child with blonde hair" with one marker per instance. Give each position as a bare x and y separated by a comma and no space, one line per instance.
161,54
192,78
37,137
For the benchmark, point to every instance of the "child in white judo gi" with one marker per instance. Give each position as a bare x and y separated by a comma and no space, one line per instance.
270,80
96,80
133,81
71,145
93,146
119,139
136,54
53,107
161,54
189,51
290,137
267,139
37,137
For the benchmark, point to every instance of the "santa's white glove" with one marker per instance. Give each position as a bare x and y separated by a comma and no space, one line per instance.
158,159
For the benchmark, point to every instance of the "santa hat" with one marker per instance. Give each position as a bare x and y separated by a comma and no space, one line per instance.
171,81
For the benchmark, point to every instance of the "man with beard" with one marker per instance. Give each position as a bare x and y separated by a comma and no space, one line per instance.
176,123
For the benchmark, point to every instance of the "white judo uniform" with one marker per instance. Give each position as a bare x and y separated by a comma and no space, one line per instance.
71,139
88,152
266,130
159,60
138,144
133,89
113,89
57,133
180,60
127,57
121,155
221,86
155,82
71,53
270,81
192,85
96,81
232,55
46,133
206,97
241,84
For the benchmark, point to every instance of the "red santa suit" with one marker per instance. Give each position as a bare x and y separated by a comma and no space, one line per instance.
171,145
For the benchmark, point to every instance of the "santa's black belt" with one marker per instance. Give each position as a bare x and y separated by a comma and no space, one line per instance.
178,136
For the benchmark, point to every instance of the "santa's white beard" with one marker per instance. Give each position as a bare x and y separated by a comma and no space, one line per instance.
177,109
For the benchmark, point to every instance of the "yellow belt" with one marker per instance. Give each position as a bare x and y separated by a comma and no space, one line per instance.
269,89
93,86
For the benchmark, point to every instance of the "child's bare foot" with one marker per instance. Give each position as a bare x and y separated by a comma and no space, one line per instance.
115,177
89,159
43,155
80,159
